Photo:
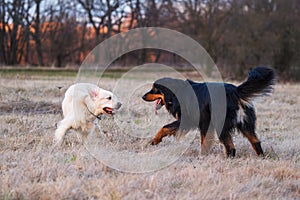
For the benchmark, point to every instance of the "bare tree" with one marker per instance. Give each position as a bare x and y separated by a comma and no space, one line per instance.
286,17
3,36
37,33
63,35
11,38
100,15
238,34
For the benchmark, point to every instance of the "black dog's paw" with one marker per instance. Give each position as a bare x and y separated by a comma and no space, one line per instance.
155,141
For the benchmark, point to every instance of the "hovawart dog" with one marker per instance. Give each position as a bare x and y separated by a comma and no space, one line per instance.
82,104
191,104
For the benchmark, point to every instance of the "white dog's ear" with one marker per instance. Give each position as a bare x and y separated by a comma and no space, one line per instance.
93,94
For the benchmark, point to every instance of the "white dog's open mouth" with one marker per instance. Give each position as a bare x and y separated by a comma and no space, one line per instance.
108,110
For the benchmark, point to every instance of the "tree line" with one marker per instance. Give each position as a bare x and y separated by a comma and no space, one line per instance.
238,34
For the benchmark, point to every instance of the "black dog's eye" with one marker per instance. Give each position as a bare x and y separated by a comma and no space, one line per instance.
108,98
155,90
170,102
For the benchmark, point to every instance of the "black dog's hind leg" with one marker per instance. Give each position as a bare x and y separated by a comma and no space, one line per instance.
226,140
207,135
225,137
251,136
167,130
247,127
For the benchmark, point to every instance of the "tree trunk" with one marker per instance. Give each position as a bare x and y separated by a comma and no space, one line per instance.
37,34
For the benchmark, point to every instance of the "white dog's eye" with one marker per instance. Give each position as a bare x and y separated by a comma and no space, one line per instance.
108,98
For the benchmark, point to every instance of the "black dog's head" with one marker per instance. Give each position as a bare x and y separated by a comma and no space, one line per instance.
155,94
164,93
179,98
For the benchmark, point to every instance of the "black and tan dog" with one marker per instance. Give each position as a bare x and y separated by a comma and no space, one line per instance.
192,105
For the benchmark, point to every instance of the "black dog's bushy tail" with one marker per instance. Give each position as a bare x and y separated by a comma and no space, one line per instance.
260,82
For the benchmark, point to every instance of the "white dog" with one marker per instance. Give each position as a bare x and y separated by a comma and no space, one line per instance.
83,103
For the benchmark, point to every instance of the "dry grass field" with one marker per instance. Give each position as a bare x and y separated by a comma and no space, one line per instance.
30,110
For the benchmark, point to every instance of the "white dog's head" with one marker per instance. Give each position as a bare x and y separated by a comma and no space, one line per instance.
103,102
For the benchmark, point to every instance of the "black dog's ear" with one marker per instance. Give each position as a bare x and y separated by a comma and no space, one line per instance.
174,107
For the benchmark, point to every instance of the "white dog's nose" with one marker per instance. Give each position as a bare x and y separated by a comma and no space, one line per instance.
119,104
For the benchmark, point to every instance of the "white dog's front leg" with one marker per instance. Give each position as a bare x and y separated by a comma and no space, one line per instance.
61,130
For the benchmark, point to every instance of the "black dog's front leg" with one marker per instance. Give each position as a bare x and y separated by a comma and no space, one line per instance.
167,130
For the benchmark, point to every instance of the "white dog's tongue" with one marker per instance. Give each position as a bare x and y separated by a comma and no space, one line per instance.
157,105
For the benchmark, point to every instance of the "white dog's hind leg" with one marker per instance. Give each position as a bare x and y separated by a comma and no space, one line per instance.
61,130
